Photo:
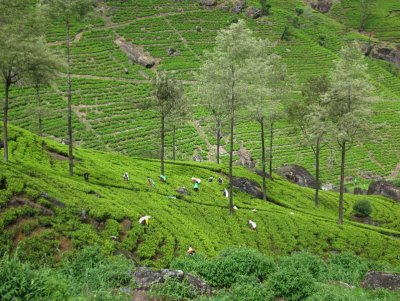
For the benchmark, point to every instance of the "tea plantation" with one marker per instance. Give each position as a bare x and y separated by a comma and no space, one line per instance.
108,90
49,219
46,213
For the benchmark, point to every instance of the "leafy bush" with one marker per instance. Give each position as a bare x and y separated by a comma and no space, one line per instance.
292,284
304,261
362,208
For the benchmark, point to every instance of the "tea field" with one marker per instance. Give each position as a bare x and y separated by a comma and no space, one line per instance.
44,213
108,90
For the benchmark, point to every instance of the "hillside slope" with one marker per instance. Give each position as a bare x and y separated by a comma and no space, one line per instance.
44,212
108,89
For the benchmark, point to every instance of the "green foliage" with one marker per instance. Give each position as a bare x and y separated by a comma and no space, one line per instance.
292,284
362,208
265,7
173,289
18,281
347,267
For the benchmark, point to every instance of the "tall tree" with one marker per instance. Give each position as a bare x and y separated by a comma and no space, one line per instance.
67,11
21,46
216,107
225,72
42,73
168,94
265,105
348,102
309,116
281,84
178,117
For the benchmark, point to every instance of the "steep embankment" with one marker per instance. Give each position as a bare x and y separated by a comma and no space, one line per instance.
44,211
108,88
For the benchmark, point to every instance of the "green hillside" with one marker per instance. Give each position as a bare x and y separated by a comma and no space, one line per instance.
106,98
45,213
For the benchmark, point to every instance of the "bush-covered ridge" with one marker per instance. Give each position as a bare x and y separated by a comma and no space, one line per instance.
46,213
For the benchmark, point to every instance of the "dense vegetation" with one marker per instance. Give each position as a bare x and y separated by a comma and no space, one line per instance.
80,236
107,98
45,212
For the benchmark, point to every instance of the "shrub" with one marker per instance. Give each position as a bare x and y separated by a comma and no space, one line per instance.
232,264
362,208
305,261
292,284
299,11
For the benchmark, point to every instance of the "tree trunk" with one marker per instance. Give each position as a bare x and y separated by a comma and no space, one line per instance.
264,180
162,143
271,137
232,108
317,150
6,91
218,139
231,166
342,183
69,95
40,127
173,142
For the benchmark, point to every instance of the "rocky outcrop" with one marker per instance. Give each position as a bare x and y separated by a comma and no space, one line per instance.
358,190
136,53
249,186
208,3
375,279
253,12
297,174
386,189
383,51
182,191
323,6
238,6
145,278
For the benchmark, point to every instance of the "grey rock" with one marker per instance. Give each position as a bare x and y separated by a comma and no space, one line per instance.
383,51
323,6
197,158
386,189
253,12
145,278
249,186
297,174
238,6
360,191
208,3
183,191
375,279
135,53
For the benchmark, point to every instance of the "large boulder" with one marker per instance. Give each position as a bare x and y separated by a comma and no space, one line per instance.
249,186
386,189
297,174
383,51
375,279
253,12
145,278
323,6
238,6
208,3
135,53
